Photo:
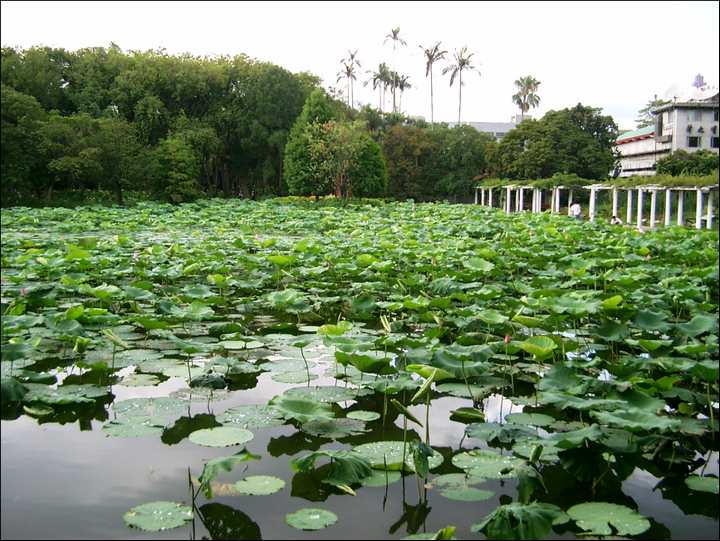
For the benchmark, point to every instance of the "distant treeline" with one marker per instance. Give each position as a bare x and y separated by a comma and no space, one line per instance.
102,121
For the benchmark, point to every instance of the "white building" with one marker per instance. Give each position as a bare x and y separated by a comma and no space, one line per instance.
688,124
497,130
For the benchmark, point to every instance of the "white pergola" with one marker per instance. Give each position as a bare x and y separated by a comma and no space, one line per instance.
514,201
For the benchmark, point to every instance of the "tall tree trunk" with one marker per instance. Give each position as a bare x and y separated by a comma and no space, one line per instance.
460,98
431,99
338,187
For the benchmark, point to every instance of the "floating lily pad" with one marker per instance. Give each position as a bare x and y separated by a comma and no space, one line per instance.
390,452
311,519
296,376
157,516
703,484
133,427
334,428
325,394
251,416
300,409
533,419
221,436
363,415
467,494
597,517
160,407
380,478
259,485
488,464
139,380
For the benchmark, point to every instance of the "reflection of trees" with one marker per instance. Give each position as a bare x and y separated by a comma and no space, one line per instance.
292,445
414,516
225,522
185,425
689,501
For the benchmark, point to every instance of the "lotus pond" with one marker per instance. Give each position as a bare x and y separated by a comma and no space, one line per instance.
239,370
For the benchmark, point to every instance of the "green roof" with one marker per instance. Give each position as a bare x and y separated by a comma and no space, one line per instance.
647,130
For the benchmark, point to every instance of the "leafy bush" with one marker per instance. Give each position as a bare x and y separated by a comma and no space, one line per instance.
680,162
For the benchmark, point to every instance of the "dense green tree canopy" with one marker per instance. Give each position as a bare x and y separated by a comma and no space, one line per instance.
680,162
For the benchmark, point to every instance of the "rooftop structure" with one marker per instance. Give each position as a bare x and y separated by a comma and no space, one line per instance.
689,123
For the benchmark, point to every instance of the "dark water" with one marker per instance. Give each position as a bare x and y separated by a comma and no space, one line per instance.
61,481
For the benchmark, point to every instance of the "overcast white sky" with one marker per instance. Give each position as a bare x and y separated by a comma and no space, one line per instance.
613,55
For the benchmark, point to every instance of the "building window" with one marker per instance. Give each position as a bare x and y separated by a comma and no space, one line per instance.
693,142
714,142
715,115
697,115
667,118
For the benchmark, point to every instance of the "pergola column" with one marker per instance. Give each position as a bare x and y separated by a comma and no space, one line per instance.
681,208
507,199
490,197
570,194
628,218
593,192
614,201
709,217
653,202
520,199
640,208
539,200
698,208
476,195
557,200
668,206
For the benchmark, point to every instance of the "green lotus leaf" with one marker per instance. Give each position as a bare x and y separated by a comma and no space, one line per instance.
467,415
380,453
139,380
221,436
215,466
251,416
478,264
541,347
521,521
703,484
311,519
506,433
333,428
380,478
325,394
157,516
596,518
467,494
532,419
698,325
133,427
363,415
259,485
294,376
301,410
487,464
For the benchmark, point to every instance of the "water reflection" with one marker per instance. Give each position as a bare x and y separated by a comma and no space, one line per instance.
225,522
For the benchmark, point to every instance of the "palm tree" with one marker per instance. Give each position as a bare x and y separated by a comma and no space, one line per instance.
462,63
348,72
377,82
403,84
353,61
394,35
432,55
526,96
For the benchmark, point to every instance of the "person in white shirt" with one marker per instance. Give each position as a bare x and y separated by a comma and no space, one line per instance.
576,211
616,221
